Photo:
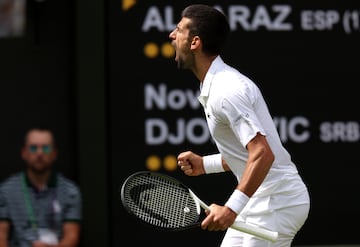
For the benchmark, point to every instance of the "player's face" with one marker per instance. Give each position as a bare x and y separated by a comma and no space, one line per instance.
181,41
39,152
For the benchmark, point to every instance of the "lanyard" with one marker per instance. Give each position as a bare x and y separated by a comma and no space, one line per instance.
29,207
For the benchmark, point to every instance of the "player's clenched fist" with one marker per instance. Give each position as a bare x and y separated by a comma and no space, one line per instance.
190,163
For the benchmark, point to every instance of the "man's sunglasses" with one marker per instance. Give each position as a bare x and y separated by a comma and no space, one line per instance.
46,149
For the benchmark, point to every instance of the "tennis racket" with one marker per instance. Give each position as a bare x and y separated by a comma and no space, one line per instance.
163,202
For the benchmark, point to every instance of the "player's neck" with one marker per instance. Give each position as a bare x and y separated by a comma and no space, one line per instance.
202,65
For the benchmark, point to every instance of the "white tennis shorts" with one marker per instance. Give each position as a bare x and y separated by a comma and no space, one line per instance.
287,222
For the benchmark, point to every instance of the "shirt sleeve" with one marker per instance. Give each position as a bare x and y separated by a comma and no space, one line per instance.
4,214
72,209
238,110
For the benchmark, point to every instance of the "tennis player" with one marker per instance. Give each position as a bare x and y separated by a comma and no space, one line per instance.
270,191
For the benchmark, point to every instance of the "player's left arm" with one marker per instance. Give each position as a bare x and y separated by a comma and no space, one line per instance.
258,165
260,159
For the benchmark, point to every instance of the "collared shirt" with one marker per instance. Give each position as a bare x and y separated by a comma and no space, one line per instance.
235,112
28,209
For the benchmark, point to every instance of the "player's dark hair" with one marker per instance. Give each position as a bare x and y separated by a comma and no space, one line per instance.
210,25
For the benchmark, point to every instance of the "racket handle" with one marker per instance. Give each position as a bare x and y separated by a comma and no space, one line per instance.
242,226
255,230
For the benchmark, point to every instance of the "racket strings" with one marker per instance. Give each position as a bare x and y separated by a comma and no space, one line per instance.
161,202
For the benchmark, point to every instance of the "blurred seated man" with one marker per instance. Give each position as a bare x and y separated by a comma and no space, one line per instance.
38,206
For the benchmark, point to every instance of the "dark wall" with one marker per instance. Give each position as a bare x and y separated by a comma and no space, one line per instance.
37,82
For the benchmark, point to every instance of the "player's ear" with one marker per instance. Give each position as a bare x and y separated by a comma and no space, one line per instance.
195,42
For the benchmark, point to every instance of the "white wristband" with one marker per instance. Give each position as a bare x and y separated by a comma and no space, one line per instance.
237,201
213,163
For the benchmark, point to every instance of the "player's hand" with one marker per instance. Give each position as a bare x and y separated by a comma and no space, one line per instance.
218,218
190,163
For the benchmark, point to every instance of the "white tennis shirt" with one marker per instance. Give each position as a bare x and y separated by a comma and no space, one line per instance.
235,111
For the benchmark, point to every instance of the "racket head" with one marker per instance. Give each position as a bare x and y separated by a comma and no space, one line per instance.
160,201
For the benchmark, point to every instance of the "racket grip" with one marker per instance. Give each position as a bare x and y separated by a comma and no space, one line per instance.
242,226
255,230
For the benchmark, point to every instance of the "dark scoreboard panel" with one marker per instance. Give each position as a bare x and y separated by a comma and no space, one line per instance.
303,55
